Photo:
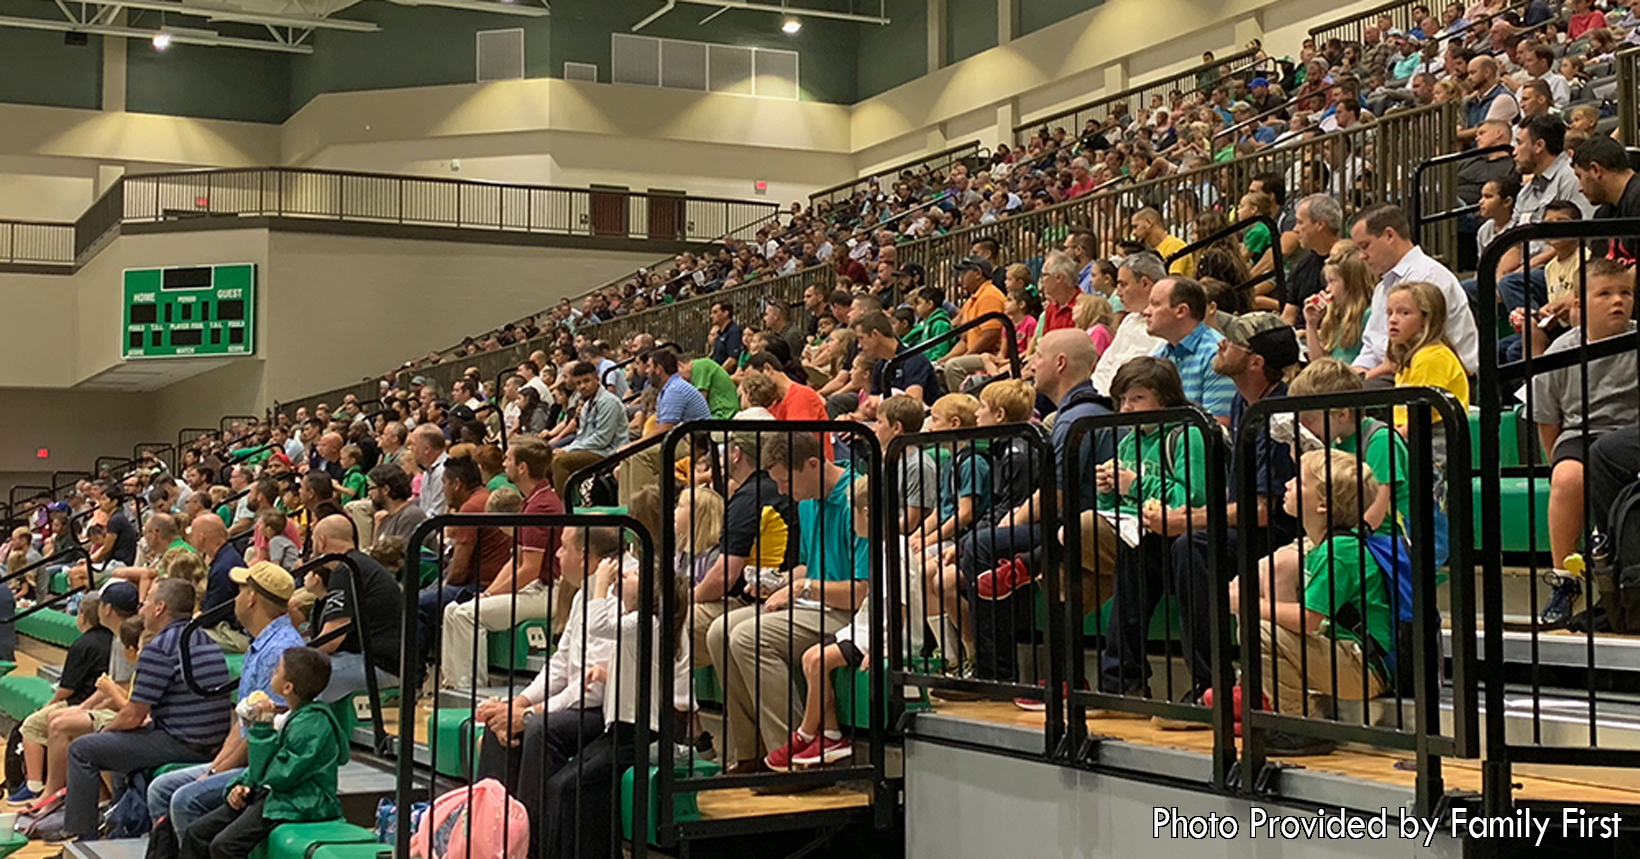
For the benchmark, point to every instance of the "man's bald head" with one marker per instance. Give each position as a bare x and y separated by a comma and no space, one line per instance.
207,534
334,533
1065,359
330,446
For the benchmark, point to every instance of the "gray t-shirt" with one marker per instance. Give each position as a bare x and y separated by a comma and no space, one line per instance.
120,669
284,552
1614,402
401,524
919,481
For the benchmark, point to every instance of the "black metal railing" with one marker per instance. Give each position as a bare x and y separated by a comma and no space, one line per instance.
969,153
36,243
59,558
1138,99
1276,274
1351,29
1565,701
1409,666
1009,337
1628,96
1447,178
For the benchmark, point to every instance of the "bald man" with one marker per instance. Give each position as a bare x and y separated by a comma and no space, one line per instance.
209,537
379,603
427,443
159,535
1064,366
327,456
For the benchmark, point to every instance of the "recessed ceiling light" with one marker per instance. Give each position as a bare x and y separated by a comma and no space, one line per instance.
162,41
791,26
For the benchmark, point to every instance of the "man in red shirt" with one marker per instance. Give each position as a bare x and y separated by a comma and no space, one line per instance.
520,591
798,402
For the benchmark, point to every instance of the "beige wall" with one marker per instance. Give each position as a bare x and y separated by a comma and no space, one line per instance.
75,426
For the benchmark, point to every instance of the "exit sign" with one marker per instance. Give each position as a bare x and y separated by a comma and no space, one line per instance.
188,311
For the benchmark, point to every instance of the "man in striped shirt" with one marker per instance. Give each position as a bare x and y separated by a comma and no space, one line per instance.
186,727
1175,314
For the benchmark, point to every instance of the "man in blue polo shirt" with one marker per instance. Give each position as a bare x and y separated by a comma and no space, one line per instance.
1175,314
828,585
679,403
913,377
264,591
166,722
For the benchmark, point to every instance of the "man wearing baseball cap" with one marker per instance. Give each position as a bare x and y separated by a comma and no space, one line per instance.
1257,353
983,297
265,589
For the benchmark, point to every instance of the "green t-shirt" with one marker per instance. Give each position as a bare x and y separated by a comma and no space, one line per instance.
938,324
1333,573
1145,451
499,481
1386,455
1257,240
354,481
711,379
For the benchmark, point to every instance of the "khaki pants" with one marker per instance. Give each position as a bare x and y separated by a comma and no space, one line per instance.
35,727
762,671
1289,649
363,514
463,622
701,618
640,470
959,368
566,463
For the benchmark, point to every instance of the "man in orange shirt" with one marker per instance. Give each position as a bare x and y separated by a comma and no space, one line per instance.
965,358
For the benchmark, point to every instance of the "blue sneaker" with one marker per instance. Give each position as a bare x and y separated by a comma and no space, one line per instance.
23,795
1567,590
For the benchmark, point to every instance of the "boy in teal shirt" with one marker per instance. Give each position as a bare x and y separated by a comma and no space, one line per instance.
294,758
1332,608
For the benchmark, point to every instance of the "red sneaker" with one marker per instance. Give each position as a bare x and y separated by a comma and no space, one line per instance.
783,757
1235,704
1010,575
824,750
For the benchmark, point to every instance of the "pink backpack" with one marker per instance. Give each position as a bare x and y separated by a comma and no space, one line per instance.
494,816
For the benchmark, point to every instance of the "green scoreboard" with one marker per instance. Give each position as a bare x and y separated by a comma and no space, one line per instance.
190,311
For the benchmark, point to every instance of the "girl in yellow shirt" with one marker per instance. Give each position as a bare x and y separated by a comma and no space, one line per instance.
1416,318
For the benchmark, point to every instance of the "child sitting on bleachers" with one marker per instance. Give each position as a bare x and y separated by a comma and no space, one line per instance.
1420,351
1339,616
818,739
353,483
294,760
281,549
87,660
1385,451
964,473
1567,425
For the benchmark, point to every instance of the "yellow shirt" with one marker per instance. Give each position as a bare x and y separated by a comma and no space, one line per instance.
1560,276
1184,266
1434,366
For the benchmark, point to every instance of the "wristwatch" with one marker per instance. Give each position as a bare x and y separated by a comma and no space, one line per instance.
807,585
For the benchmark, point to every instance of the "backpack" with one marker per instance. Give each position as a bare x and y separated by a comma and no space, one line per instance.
128,818
1618,577
1442,525
442,832
1394,562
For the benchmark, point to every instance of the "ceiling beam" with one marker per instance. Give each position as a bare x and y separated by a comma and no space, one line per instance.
224,12
188,37
793,11
494,8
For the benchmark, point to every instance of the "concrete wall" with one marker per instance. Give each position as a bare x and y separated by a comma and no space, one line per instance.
75,426
967,803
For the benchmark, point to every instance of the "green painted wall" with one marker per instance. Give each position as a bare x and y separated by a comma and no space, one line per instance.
1036,14
417,46
826,48
207,83
970,27
895,54
37,68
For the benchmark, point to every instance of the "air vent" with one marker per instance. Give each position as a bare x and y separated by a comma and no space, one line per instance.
634,60
500,55
681,64
587,72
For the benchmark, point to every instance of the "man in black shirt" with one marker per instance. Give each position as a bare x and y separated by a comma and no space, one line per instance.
914,376
1607,179
87,658
1318,221
1472,177
381,608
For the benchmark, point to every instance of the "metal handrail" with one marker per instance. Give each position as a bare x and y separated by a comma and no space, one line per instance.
1278,268
572,493
830,195
1009,336
75,550
1023,130
1416,209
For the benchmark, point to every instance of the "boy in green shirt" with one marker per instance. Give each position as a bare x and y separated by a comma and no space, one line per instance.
354,482
293,761
932,321
1324,615
1385,453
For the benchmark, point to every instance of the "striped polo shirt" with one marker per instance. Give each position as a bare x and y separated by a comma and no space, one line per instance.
175,707
1202,384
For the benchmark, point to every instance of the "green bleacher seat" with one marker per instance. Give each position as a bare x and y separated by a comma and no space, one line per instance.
302,840
7,667
1516,523
853,690
600,511
353,851
457,739
1509,438
707,687
20,697
685,808
510,648
50,626
59,582
1094,622
11,842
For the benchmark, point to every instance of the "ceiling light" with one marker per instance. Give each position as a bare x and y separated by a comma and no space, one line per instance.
162,41
791,26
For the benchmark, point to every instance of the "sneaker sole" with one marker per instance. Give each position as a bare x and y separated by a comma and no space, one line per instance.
830,757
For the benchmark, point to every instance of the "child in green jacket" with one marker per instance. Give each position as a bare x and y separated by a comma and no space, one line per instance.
291,776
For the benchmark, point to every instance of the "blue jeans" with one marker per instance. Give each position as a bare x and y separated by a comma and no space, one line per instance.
186,797
1514,287
120,752
347,678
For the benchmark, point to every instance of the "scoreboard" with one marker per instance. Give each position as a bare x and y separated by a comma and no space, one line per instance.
189,311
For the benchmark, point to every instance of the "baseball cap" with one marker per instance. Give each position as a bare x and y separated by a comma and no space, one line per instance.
1265,334
120,596
910,269
1255,83
979,264
266,576
282,458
